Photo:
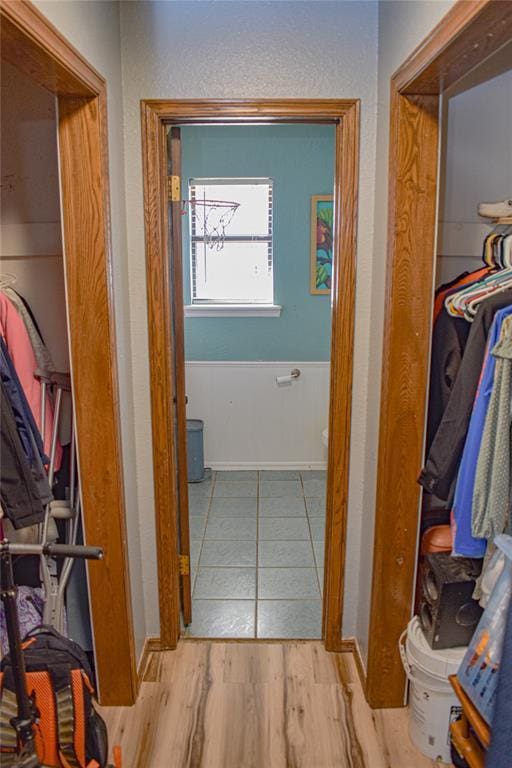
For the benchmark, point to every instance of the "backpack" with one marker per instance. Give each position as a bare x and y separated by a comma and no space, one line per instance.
69,733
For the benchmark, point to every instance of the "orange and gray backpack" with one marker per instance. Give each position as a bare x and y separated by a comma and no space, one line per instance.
69,733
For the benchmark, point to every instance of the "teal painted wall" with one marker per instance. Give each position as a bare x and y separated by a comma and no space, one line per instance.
300,160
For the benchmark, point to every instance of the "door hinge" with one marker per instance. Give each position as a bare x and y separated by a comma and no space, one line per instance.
184,565
173,189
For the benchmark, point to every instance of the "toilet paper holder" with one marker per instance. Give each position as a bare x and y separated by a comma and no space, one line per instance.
285,381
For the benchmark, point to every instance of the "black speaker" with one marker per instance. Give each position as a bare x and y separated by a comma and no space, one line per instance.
448,613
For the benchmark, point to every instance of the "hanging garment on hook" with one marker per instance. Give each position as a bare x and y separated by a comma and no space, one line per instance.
16,337
465,544
449,336
440,471
19,493
27,428
41,353
491,499
32,453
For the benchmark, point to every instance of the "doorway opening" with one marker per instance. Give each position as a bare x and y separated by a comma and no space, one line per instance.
162,122
257,215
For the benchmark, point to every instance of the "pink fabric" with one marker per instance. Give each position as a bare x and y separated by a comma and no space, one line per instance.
22,355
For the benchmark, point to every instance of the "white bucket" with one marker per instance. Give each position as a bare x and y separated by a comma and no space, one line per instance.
432,702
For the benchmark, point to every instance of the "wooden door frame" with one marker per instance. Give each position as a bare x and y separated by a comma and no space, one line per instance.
157,116
466,36
32,44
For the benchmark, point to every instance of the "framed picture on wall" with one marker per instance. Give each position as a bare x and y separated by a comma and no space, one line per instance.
321,243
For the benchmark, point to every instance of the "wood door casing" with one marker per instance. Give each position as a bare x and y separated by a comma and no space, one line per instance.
465,37
33,45
403,404
178,318
157,115
340,391
158,264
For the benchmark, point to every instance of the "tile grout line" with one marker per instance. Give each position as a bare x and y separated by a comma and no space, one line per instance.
311,540
203,538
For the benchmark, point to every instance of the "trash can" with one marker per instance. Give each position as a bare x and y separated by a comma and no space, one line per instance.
195,450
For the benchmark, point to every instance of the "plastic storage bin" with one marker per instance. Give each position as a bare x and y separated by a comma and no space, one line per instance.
433,704
478,673
195,450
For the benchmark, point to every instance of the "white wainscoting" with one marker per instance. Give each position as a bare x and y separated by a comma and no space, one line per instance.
250,422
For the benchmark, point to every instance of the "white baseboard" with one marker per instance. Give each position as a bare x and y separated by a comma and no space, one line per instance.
283,465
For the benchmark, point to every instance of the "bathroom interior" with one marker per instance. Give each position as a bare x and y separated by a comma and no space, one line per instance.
257,350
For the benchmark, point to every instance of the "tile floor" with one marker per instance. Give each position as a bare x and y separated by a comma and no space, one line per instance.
257,549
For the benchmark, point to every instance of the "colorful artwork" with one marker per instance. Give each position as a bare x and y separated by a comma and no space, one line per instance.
321,243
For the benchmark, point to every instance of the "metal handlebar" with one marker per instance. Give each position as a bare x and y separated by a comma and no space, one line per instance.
52,550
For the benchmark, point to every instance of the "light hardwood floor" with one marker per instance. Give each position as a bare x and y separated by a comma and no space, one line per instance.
257,705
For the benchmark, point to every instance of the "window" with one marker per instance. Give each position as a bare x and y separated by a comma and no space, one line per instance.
231,246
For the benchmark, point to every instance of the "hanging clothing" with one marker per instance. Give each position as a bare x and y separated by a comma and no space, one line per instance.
41,353
464,543
440,471
492,494
449,338
27,427
20,495
17,340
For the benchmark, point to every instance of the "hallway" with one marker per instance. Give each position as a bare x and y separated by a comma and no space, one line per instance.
257,705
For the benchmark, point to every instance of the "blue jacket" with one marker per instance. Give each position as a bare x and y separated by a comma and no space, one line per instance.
464,543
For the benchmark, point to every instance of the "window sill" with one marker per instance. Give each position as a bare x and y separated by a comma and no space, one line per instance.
233,310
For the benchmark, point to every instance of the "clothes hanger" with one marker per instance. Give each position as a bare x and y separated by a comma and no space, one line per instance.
497,256
496,283
455,302
507,248
472,306
451,302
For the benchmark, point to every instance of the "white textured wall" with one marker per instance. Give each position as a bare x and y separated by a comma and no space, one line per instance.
248,49
476,162
93,28
30,231
402,27
252,423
